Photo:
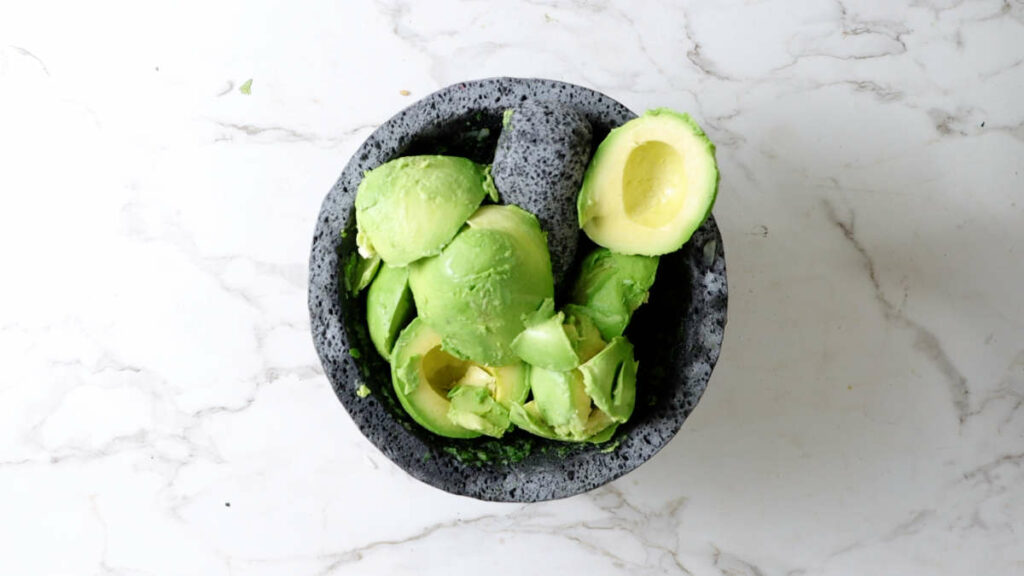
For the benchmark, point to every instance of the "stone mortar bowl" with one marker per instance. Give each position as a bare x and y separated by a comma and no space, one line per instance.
678,333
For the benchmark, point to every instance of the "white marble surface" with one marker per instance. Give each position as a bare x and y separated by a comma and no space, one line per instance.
162,410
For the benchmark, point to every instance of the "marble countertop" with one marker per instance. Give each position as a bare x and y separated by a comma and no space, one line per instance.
162,410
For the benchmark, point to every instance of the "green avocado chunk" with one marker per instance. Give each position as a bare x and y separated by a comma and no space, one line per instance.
360,272
473,407
610,287
650,184
411,207
527,417
586,403
557,341
478,290
561,399
388,307
599,427
544,342
610,379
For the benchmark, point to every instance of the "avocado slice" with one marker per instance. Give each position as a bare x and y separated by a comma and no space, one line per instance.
449,396
360,272
510,385
477,291
609,378
610,287
388,307
599,426
473,407
411,207
527,417
650,185
565,403
557,341
561,399
544,342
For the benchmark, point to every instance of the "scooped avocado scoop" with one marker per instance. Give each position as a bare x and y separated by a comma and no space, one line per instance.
650,185
412,206
477,291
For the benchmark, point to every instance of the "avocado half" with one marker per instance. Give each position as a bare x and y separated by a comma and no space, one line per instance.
449,396
650,185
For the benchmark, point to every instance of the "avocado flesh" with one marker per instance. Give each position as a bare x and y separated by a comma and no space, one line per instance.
610,287
360,272
510,383
599,427
472,407
557,341
586,403
449,396
649,186
476,292
561,399
422,375
388,307
609,378
545,342
411,207
527,417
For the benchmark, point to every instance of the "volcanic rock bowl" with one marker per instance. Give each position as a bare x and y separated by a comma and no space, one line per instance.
677,334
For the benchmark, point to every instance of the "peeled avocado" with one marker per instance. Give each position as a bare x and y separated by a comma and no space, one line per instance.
610,287
388,307
412,206
476,292
449,396
649,186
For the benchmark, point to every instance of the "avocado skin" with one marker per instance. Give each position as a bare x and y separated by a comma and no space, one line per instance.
539,163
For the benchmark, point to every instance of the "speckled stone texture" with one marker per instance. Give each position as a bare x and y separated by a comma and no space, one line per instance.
678,333
539,162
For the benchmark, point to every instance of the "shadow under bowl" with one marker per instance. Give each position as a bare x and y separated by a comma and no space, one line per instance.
677,334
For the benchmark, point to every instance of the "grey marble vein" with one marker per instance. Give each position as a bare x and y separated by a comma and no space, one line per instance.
924,340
